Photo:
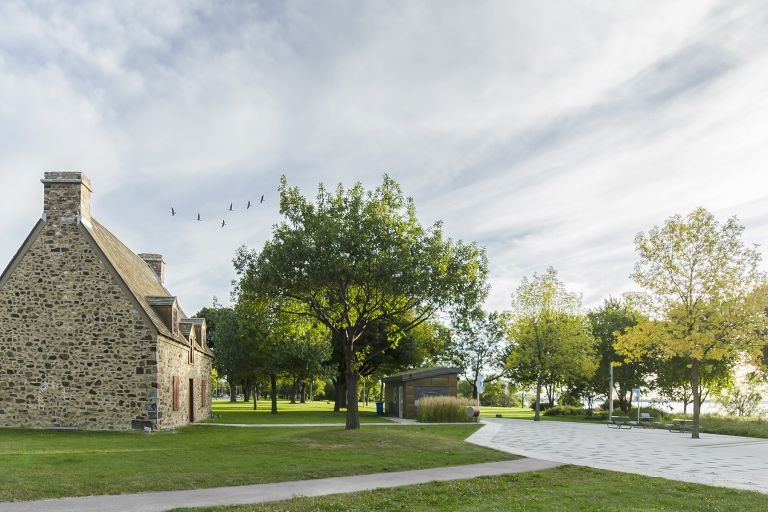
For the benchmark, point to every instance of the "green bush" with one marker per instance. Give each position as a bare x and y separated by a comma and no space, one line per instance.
565,410
442,409
544,405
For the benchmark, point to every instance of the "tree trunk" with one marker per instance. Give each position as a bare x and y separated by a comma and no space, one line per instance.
537,414
303,392
247,390
341,394
293,390
353,418
255,396
273,385
232,392
695,377
623,402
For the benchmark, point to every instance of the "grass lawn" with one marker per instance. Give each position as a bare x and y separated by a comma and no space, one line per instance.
733,426
519,413
565,489
44,464
311,412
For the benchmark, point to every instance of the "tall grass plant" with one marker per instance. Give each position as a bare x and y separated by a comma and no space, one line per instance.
443,409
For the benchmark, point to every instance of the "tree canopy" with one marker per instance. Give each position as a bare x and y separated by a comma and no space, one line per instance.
477,347
352,257
608,321
550,340
701,276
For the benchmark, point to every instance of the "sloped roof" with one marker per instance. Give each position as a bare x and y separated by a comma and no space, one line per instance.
185,327
420,373
139,278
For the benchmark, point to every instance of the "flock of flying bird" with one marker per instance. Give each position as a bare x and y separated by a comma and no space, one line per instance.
231,209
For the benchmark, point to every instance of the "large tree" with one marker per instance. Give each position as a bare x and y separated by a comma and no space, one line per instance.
478,346
701,275
280,344
608,321
550,340
234,358
352,257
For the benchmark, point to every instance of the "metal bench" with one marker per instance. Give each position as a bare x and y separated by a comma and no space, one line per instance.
619,422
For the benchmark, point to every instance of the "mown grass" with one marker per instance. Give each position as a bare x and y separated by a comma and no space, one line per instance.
519,413
287,413
564,489
43,464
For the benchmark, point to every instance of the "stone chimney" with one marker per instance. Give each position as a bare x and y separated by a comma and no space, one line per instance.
66,197
156,263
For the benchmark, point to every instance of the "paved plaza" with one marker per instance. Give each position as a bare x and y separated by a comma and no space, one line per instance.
729,461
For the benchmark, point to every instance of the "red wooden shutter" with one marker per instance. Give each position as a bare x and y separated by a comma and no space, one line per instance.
175,393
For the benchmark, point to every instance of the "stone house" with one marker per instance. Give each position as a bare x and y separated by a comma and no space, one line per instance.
90,337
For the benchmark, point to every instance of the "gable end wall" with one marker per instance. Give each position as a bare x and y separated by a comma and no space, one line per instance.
74,349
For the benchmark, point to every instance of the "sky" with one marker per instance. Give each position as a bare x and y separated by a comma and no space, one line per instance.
549,133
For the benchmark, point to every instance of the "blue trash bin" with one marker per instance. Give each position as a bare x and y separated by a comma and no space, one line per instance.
379,408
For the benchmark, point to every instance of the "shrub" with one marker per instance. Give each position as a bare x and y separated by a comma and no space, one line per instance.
544,405
616,405
740,401
440,409
570,399
565,410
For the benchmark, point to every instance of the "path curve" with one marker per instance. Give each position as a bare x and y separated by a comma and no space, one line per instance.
260,493
726,461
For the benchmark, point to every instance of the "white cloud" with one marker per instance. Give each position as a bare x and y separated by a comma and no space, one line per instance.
550,133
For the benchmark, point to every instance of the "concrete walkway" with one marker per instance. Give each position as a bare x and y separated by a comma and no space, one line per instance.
389,423
246,494
727,461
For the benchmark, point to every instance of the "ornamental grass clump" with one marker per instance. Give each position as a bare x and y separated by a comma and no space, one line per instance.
442,409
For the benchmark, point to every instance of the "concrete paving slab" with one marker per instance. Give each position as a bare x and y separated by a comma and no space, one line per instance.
246,494
727,461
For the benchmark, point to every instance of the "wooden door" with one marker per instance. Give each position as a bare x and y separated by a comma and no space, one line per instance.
191,400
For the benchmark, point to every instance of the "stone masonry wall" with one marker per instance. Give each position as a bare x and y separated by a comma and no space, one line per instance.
74,350
62,202
172,360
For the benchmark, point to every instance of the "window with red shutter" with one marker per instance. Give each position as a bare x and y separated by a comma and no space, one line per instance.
175,393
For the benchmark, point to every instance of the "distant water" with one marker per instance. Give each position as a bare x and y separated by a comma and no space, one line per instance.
707,407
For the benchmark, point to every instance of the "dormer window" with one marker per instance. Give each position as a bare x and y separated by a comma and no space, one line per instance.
167,309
